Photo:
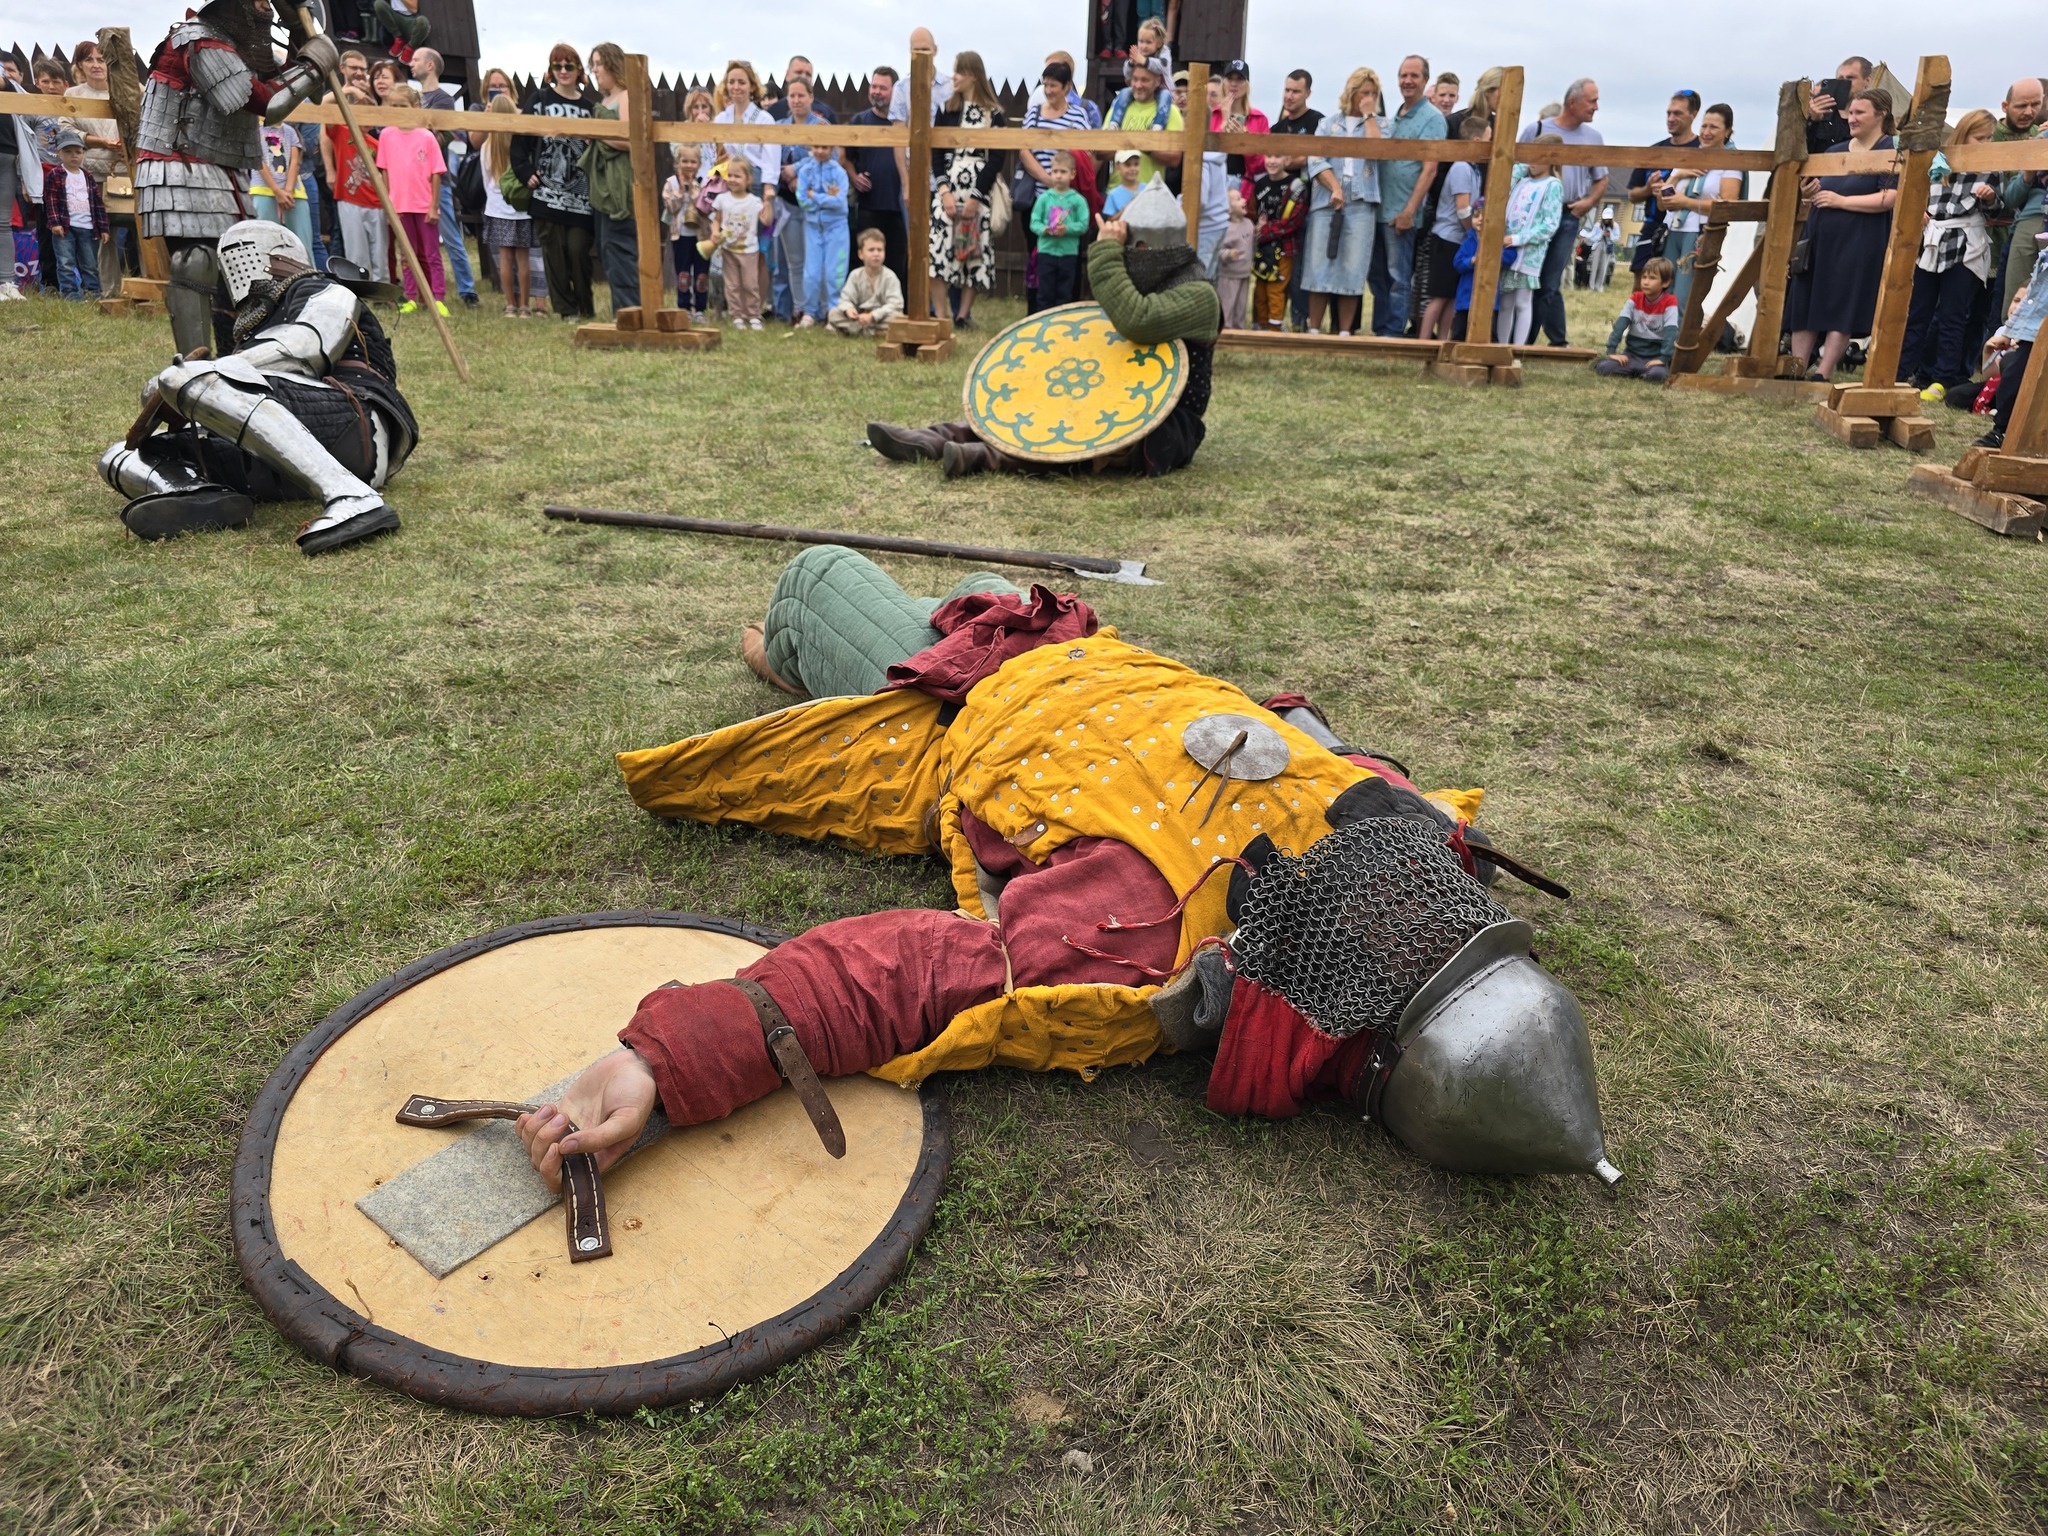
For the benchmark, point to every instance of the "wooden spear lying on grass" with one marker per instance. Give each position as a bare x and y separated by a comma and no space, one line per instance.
1130,572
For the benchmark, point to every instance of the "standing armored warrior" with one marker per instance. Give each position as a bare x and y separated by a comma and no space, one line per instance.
214,80
299,400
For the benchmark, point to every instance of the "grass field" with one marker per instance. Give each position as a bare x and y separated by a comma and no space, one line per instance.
1781,727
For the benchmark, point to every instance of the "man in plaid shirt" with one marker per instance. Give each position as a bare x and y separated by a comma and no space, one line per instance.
77,217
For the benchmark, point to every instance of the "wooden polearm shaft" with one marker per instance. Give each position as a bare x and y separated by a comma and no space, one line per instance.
369,164
1034,559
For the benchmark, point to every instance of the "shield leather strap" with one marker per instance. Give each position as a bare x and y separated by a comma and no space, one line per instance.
590,1232
794,1065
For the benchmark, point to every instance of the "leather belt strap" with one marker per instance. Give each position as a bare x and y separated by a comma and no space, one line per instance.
795,1067
590,1230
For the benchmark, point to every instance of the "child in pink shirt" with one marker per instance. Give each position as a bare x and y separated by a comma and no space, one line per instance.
411,161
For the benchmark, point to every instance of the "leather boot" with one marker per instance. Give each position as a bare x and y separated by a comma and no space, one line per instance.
906,445
962,459
953,432
754,652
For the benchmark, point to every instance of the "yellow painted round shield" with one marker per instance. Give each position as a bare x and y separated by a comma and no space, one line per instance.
1062,386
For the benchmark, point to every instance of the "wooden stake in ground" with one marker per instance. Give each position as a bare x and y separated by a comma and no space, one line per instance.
1194,137
646,195
1919,138
1493,218
368,158
1781,230
917,187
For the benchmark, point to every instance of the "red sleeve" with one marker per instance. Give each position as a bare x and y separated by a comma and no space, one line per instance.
1270,1061
858,992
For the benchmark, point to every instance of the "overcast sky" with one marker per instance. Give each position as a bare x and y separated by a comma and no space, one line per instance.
1735,51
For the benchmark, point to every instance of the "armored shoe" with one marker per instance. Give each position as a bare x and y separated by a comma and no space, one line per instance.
199,509
346,526
906,445
754,652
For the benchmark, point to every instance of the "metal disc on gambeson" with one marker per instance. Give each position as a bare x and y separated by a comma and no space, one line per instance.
1262,754
735,1245
1062,387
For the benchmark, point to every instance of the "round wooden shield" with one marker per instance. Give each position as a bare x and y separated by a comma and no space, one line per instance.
736,1245
1062,386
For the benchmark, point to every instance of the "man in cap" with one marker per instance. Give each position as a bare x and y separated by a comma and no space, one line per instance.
215,80
1150,282
1084,792
300,400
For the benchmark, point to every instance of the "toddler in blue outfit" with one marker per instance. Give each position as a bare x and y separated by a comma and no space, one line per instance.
821,192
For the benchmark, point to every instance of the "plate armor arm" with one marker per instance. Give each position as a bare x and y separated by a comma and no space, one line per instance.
304,79
223,79
311,340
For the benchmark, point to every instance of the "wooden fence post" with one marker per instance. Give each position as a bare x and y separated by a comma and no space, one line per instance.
1781,230
917,187
1493,217
1879,406
647,225
1909,213
1194,138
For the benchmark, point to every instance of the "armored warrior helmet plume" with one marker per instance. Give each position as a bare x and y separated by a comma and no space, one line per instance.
246,250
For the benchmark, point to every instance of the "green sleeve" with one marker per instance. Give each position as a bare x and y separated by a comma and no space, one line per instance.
1190,312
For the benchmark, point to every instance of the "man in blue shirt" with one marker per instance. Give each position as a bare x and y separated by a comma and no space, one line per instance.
1404,184
1583,185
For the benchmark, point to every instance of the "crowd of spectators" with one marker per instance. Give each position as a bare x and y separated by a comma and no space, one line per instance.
772,233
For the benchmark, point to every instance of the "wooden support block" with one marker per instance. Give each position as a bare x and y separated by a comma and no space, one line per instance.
627,319
672,320
1790,391
1777,391
936,351
2013,516
1459,373
918,332
1508,377
610,336
142,288
1915,434
1489,354
891,351
149,309
1861,400
2012,473
1751,367
121,306
1856,431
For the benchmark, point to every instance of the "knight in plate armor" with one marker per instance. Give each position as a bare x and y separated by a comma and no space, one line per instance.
299,400
1150,282
215,79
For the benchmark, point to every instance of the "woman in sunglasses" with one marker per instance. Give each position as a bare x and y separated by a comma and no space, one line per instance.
559,194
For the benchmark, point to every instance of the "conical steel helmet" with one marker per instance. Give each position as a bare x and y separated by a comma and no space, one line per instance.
1495,1073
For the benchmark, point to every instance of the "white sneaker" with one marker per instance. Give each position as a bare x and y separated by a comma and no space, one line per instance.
739,325
805,324
8,291
754,324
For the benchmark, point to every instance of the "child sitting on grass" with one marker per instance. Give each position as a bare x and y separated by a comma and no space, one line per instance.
1645,333
872,296
2014,344
1058,217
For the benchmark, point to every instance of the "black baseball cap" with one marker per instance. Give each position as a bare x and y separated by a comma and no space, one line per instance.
1237,69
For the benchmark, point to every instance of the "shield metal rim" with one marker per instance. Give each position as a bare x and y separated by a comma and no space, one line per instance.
1082,456
336,1334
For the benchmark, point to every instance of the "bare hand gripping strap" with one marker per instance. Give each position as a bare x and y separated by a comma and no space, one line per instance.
590,1232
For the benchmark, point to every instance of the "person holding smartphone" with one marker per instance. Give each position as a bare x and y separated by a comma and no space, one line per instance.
1827,104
